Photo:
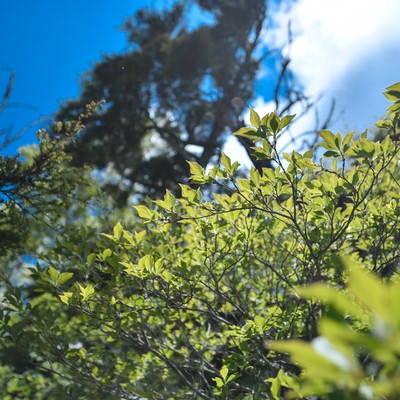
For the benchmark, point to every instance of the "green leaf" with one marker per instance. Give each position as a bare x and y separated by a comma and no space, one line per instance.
247,132
255,177
347,139
395,87
224,371
192,195
169,200
364,148
254,118
212,174
64,277
375,298
394,108
285,121
66,297
140,236
283,380
338,140
329,140
143,212
261,153
53,273
392,92
195,168
117,231
259,323
146,262
331,154
226,162
106,253
332,296
219,382
197,173
384,124
274,122
86,292
322,366
275,386
90,259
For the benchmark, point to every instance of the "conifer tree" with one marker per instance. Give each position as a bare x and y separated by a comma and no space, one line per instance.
173,96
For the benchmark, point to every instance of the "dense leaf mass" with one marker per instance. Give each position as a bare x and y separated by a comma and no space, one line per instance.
197,297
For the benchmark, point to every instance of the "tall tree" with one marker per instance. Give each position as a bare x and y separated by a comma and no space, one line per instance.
173,96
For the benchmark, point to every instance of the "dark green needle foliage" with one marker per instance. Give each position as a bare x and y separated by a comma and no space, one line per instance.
172,96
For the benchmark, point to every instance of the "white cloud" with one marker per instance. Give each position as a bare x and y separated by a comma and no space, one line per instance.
346,49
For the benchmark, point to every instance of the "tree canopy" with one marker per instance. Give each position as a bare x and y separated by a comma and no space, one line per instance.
175,94
198,297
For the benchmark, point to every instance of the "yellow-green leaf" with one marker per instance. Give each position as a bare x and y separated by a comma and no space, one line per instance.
118,230
65,297
224,372
143,212
254,118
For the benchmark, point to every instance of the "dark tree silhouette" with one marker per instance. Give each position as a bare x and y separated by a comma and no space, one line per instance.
174,95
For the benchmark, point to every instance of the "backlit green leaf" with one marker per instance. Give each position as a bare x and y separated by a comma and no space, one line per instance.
254,118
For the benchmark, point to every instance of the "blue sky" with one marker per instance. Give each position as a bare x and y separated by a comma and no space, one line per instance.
50,44
343,49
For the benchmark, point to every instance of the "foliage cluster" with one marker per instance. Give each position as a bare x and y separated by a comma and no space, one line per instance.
198,297
37,185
